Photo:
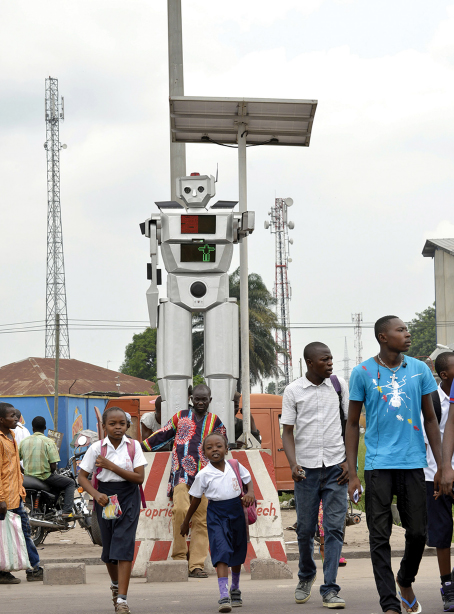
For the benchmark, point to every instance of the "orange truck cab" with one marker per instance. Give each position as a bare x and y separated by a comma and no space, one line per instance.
265,408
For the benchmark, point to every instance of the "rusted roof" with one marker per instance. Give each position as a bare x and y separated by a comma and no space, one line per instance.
35,377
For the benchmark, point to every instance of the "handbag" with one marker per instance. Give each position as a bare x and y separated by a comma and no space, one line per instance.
251,511
13,550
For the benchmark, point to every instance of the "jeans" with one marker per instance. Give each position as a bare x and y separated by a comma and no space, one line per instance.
410,487
31,548
61,482
321,484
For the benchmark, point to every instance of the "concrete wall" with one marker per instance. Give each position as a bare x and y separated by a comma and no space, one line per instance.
444,296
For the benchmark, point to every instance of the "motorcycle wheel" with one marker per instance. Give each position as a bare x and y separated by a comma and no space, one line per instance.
38,534
95,531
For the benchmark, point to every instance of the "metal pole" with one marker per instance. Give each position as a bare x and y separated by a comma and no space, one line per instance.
244,288
176,87
57,366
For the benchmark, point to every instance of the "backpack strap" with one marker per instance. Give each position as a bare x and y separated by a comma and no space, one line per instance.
437,404
337,387
97,471
131,445
236,470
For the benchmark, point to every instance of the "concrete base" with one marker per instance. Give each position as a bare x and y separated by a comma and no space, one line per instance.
270,569
64,573
167,571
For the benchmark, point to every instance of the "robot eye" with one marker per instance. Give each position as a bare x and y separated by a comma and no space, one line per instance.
201,188
187,190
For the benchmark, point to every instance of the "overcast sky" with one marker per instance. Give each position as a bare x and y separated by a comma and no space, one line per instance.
375,183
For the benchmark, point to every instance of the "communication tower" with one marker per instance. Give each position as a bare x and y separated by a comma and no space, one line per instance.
357,318
55,277
279,226
346,362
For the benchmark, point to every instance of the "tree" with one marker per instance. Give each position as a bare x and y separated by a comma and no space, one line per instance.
423,333
140,356
262,322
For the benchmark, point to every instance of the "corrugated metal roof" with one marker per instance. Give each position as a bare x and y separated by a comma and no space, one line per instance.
433,244
35,376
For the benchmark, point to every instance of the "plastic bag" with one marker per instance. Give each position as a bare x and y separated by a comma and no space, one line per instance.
112,510
13,550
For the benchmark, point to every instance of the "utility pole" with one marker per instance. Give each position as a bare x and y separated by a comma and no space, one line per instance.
280,226
57,368
55,276
176,87
357,318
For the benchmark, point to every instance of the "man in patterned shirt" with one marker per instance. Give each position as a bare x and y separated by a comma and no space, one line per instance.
188,427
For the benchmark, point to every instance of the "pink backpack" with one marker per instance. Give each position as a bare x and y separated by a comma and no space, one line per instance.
251,511
132,452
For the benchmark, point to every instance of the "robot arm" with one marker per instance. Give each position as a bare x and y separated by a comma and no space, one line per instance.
150,229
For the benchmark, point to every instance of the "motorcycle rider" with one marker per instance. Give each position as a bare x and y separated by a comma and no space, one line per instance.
12,492
40,456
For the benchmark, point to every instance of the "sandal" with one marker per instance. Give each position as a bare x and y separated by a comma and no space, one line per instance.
197,573
407,603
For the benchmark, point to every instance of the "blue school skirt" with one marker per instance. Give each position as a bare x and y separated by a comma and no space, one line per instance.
119,535
227,532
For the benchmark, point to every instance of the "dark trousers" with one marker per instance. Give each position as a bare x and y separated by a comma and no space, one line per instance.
410,488
61,482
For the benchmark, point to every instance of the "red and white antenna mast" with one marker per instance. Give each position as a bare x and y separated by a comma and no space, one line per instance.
279,226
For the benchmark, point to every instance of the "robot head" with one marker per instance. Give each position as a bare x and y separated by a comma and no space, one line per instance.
196,190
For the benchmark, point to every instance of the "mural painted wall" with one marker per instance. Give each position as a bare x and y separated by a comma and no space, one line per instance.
74,414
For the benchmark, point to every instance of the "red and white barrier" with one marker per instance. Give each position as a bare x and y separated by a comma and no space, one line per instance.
155,533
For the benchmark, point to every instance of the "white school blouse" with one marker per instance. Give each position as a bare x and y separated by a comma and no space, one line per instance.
219,485
119,456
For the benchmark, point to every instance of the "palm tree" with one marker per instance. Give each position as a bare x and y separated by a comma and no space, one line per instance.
262,322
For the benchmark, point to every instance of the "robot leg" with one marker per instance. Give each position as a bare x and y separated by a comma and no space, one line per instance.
174,357
221,361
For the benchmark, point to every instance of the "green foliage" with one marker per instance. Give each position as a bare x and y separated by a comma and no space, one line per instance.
198,379
271,388
140,356
423,333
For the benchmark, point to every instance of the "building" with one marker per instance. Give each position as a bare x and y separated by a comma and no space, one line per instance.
29,386
442,251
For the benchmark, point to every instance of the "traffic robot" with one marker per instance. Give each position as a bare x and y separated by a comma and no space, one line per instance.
196,247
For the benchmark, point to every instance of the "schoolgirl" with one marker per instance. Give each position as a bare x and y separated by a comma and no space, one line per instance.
118,464
226,523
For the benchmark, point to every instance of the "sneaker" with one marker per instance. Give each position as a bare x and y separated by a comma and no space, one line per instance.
224,605
332,600
7,578
303,590
447,594
114,589
35,575
122,608
235,598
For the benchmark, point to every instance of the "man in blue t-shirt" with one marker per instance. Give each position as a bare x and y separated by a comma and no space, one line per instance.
394,389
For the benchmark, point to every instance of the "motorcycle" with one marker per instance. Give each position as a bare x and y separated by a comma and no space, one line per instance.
44,507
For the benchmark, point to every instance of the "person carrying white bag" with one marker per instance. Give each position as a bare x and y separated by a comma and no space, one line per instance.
14,525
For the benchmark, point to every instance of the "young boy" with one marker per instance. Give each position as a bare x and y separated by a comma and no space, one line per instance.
394,389
12,492
439,511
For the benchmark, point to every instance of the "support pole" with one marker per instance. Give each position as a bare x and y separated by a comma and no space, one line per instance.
244,288
57,367
176,88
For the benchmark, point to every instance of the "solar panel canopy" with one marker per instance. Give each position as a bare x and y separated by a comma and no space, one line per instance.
200,119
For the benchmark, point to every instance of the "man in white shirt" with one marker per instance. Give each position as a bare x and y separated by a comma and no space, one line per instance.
20,431
313,418
439,511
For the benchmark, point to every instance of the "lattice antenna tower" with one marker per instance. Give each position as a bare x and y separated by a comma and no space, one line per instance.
357,318
55,277
346,362
279,226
